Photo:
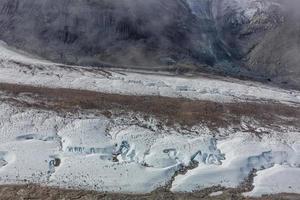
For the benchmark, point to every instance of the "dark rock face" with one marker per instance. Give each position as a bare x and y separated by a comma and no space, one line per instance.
243,25
254,38
127,32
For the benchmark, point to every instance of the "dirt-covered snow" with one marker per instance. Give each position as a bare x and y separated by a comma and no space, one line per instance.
17,68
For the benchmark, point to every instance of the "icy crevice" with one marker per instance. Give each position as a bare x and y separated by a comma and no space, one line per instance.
4,158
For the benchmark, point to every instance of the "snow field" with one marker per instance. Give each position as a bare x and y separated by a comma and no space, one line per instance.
95,153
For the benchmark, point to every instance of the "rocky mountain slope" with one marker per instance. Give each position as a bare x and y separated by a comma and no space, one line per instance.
263,35
252,38
140,134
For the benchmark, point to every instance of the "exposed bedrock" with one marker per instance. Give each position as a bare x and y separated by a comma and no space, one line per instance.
133,32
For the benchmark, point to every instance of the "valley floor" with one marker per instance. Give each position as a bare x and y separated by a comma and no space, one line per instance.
145,135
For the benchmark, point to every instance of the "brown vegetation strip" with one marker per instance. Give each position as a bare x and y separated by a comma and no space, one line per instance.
184,111
14,192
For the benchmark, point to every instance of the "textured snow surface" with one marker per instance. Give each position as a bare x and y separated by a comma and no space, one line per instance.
89,155
95,153
271,181
243,154
17,68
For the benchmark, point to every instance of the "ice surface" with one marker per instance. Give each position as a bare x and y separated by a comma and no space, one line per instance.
277,179
216,194
41,147
92,152
27,161
97,153
18,70
243,154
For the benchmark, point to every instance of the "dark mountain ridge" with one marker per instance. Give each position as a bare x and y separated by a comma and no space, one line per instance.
254,38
